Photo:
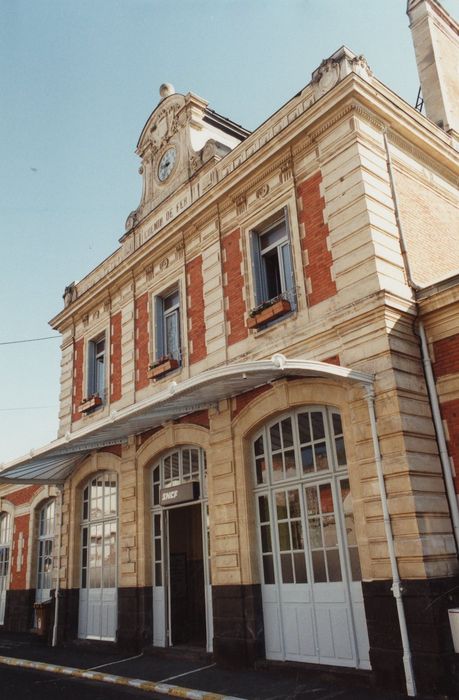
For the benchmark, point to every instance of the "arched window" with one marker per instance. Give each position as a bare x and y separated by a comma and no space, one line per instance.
46,534
5,556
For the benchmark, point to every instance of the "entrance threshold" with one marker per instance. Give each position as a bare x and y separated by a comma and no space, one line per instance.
182,651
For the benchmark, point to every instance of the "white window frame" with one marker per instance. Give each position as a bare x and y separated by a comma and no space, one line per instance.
97,376
284,261
162,314
46,534
6,537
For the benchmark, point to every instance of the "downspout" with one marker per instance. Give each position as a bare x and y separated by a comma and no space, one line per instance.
430,381
396,588
57,587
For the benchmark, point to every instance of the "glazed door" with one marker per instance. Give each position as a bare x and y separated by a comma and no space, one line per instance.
98,600
4,578
311,590
160,548
98,593
5,542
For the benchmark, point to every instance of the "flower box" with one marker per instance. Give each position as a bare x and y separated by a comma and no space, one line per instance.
162,367
89,403
269,313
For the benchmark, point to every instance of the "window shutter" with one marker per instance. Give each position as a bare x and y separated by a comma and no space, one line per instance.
159,328
288,263
256,267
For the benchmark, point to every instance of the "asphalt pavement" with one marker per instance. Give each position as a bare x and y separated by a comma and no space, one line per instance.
173,672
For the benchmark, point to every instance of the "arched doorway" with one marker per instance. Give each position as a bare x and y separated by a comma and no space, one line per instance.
310,570
99,542
5,558
182,613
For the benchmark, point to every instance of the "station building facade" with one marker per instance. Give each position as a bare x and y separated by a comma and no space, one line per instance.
260,392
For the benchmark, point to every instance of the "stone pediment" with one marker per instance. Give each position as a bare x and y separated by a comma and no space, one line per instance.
180,137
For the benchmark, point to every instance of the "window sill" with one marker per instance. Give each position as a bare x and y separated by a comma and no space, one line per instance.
278,310
164,368
90,404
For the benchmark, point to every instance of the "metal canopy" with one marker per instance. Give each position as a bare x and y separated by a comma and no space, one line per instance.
56,461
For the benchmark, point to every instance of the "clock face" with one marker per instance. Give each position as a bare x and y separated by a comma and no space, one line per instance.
166,164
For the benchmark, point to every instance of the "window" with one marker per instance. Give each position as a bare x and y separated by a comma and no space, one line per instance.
167,326
272,262
5,545
46,532
96,367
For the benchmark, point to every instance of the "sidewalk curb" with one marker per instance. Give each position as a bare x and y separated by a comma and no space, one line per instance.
175,691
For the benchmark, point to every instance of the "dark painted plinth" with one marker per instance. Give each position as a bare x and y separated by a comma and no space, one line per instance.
426,604
238,625
19,610
67,621
135,623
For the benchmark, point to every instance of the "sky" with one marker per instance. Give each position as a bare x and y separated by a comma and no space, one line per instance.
78,80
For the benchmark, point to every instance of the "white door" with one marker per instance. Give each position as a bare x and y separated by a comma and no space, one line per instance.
98,593
160,625
311,590
5,547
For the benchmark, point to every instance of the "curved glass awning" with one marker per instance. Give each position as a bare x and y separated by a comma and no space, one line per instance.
54,462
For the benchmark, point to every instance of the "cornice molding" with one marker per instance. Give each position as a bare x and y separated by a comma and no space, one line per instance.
417,153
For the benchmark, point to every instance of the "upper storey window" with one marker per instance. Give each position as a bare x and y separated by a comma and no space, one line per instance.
272,264
96,367
167,326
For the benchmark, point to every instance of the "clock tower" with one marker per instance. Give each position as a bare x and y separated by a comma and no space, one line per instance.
180,142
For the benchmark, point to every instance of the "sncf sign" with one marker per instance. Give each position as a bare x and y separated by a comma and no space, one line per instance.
179,494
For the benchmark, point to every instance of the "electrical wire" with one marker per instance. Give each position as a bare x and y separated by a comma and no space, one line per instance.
29,340
26,408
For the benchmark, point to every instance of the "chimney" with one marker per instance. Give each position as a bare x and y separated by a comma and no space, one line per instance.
436,44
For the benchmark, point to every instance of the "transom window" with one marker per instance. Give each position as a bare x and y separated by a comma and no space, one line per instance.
307,442
177,467
304,503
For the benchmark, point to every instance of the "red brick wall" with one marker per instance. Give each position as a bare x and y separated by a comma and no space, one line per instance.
112,449
21,496
196,418
233,287
333,360
241,401
78,354
142,358
446,352
115,357
18,578
195,304
314,243
450,414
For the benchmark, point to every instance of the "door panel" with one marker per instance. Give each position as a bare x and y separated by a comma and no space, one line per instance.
159,577
272,623
98,611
